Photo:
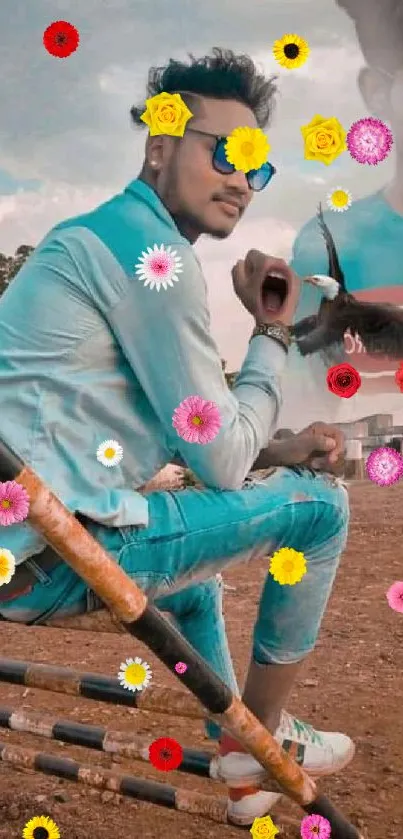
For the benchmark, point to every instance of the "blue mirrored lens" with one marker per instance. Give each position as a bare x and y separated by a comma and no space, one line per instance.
220,161
259,178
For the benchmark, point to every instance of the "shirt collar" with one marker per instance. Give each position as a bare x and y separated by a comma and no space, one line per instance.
140,190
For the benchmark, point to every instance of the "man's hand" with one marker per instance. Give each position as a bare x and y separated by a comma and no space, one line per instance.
267,287
319,446
327,446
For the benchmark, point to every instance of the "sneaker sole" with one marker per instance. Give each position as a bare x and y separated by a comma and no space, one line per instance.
247,818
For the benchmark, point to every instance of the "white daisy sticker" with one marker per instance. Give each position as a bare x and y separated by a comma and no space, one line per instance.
135,674
339,199
158,267
110,453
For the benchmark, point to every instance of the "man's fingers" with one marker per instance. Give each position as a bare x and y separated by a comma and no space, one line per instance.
321,429
320,443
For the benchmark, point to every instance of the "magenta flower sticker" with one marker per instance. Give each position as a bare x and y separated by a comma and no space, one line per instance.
384,466
369,140
394,596
158,267
196,420
14,503
315,827
181,667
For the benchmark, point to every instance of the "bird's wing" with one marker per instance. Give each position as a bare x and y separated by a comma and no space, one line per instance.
334,264
304,326
324,335
379,326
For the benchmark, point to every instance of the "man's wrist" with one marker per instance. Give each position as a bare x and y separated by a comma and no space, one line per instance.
277,331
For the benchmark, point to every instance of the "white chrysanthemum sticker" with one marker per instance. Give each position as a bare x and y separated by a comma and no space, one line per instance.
158,267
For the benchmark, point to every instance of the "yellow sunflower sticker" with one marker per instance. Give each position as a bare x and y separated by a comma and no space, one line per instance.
41,827
291,51
247,148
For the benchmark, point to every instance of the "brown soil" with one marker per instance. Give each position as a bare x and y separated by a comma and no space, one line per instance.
352,683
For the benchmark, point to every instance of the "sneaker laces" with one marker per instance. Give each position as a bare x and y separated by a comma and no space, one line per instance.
302,730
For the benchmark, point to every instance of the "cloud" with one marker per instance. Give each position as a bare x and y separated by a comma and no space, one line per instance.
26,217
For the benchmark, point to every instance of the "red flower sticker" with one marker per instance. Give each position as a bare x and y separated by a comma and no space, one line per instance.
165,754
399,377
343,380
61,39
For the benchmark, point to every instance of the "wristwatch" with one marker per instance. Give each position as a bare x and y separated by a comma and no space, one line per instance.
278,331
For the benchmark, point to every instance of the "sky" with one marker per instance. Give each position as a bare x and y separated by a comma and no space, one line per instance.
67,144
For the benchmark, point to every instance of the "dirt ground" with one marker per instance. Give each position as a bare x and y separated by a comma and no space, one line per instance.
352,683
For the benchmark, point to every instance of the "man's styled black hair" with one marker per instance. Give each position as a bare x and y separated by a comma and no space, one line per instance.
379,27
221,75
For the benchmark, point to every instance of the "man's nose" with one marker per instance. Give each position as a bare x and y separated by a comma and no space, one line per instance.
238,181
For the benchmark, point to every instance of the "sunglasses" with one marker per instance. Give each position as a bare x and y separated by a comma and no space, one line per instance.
257,178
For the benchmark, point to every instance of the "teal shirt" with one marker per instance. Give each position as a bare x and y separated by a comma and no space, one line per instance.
369,241
89,353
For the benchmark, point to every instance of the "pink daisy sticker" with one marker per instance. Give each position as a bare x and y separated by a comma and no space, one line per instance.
394,596
196,420
158,267
315,827
181,667
384,466
369,140
14,503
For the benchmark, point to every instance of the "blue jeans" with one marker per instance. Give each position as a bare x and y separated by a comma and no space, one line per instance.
193,535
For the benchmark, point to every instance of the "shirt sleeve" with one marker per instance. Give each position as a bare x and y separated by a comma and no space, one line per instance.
165,336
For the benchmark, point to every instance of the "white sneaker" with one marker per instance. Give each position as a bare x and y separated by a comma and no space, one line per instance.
319,752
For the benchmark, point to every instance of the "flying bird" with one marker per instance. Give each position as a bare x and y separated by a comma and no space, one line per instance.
378,325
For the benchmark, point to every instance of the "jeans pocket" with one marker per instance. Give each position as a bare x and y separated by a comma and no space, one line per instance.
153,583
40,575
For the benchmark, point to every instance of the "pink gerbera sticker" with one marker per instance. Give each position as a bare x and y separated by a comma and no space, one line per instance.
196,420
394,596
158,267
369,140
315,827
14,503
384,466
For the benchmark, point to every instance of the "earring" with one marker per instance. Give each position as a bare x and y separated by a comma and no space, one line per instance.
153,162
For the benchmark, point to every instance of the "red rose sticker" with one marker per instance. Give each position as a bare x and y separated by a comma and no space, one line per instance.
60,39
399,377
343,380
165,754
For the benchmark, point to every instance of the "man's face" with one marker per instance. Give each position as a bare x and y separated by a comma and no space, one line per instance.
201,199
383,94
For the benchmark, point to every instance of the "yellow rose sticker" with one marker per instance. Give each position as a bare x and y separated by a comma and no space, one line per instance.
166,113
264,828
324,139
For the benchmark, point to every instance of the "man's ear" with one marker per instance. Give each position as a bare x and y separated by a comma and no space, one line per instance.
154,152
375,88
